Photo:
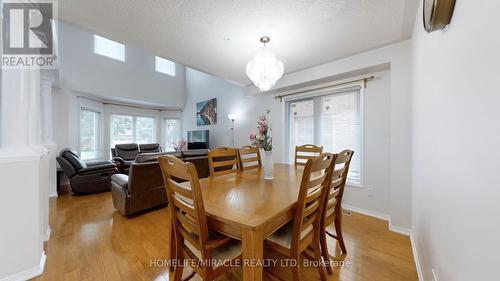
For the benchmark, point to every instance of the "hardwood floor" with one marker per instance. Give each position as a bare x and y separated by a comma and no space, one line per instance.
91,241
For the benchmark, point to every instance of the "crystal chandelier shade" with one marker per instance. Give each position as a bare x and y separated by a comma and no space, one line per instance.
265,68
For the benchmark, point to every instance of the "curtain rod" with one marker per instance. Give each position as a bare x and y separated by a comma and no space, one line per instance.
127,104
365,81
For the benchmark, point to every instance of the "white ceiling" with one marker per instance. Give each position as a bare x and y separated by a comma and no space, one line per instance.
221,36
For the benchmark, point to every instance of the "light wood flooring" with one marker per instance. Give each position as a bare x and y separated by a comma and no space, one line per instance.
91,241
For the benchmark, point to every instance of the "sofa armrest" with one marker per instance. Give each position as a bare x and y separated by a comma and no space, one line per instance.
98,162
120,180
97,168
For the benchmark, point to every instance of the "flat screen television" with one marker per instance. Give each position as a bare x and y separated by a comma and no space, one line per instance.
198,139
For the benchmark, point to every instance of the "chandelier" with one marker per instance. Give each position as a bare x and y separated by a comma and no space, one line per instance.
265,68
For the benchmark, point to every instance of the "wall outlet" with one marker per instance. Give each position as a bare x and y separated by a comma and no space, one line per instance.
434,278
371,193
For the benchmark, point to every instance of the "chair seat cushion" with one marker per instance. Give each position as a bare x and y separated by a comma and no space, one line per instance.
283,236
121,180
228,251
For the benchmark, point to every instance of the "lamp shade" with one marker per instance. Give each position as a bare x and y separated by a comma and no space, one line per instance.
231,116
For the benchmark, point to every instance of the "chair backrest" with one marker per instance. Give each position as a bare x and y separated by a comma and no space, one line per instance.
249,157
72,157
127,151
149,147
186,203
222,160
306,152
315,179
340,169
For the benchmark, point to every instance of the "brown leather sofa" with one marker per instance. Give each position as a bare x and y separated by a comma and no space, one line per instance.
86,177
144,187
125,154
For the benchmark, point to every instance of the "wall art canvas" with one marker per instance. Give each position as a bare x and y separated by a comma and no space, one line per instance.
206,112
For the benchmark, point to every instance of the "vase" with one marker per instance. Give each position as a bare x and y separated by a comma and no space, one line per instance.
267,163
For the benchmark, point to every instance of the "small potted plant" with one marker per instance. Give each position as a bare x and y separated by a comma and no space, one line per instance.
264,141
179,145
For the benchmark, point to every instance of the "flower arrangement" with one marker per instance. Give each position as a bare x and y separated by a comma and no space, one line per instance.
263,138
179,145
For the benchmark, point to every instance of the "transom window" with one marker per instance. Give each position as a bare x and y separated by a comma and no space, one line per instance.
165,66
109,48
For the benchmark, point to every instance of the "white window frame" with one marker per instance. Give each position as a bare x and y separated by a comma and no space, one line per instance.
100,131
164,129
327,92
134,125
159,60
97,37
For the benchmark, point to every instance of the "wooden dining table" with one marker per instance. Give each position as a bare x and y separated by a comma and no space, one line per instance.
248,208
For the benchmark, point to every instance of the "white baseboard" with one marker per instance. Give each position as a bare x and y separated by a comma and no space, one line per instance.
380,216
399,229
53,194
365,212
29,273
47,234
415,257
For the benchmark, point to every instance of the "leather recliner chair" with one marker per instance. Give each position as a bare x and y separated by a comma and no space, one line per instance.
124,155
86,177
143,188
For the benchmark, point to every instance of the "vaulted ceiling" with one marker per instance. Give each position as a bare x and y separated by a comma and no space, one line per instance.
221,36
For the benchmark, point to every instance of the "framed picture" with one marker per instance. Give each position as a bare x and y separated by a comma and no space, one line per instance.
206,112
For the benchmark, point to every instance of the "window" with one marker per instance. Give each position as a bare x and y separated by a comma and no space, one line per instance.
90,134
109,48
165,66
301,123
132,129
333,121
172,133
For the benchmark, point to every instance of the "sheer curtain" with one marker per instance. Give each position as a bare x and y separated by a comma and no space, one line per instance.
332,120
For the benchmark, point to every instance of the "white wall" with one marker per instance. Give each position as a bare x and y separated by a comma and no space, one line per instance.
456,138
83,71
135,82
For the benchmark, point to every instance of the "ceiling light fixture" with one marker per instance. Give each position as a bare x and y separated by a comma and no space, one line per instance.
265,68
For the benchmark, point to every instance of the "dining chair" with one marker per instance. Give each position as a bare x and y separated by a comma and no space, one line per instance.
306,152
207,251
222,160
295,237
332,210
249,157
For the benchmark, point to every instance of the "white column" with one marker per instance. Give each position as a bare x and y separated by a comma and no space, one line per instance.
46,108
22,210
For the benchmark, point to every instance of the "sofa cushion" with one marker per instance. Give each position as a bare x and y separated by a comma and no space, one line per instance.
127,151
73,158
120,180
151,157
